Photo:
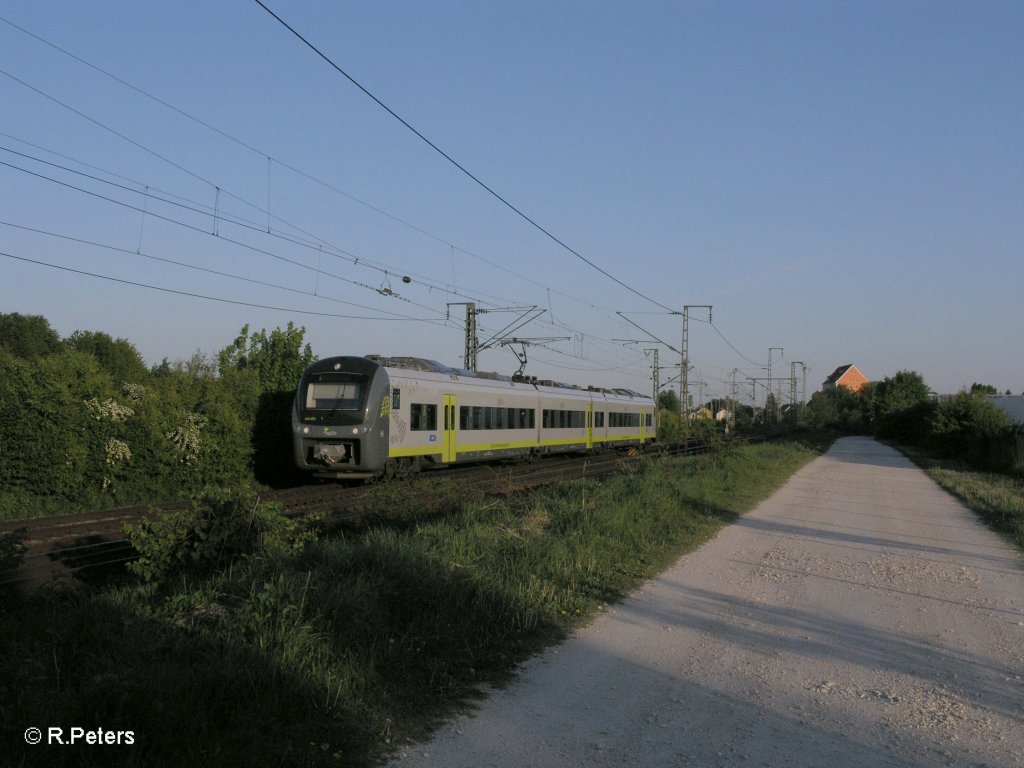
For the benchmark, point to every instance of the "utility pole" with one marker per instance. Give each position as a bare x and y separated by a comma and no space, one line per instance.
735,395
656,385
770,350
472,342
684,368
799,405
655,374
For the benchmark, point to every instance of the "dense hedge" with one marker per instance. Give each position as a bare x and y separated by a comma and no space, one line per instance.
968,426
75,435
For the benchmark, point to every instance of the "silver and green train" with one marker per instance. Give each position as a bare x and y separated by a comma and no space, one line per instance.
364,417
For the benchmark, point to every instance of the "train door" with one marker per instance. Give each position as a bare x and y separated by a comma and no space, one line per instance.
643,425
448,430
590,425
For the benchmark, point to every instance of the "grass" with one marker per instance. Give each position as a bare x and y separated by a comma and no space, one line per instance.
998,499
340,652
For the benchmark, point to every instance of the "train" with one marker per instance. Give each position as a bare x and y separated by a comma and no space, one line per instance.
370,417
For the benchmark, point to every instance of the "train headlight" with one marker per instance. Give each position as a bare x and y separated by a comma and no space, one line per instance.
305,430
355,430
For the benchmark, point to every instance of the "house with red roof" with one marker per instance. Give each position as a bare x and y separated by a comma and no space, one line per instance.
845,376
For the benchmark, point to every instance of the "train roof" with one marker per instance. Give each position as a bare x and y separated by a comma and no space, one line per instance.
433,366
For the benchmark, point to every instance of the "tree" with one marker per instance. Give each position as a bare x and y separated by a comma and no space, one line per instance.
278,359
744,416
27,336
263,371
968,418
983,389
116,356
900,407
668,401
836,408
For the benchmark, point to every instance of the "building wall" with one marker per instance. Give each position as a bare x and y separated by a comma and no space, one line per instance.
1012,405
853,380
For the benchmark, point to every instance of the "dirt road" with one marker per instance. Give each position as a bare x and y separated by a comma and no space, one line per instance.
859,617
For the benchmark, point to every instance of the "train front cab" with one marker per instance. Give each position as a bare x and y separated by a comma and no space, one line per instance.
339,418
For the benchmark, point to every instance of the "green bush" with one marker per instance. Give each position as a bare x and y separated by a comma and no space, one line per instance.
27,336
836,408
219,525
959,423
900,407
84,425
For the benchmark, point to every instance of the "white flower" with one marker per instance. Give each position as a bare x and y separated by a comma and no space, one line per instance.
109,410
117,451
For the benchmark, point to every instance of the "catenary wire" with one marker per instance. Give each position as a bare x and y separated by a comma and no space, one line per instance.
200,230
451,160
204,211
254,281
293,169
202,296
219,189
582,335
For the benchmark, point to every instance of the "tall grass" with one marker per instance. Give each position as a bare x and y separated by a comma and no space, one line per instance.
998,499
338,653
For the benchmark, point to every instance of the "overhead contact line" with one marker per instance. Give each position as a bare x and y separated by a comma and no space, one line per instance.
454,162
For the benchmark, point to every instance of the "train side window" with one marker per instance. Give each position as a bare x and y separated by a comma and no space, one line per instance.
422,417
396,399
463,417
478,417
599,419
499,418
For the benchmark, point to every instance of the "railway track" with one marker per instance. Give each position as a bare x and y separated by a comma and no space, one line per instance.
90,547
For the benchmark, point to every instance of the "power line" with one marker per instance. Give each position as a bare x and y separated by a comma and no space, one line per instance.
199,295
194,228
451,160
752,362
319,242
254,281
288,166
203,210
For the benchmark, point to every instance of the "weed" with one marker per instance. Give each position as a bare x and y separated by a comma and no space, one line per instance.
218,525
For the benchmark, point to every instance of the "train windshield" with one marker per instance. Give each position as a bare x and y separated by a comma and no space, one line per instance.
335,392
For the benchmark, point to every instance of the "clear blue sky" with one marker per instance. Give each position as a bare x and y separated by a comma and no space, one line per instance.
842,180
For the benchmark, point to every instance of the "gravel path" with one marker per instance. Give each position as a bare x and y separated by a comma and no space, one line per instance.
859,617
